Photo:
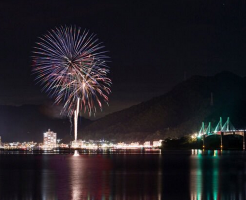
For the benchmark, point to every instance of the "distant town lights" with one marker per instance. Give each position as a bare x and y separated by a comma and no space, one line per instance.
50,142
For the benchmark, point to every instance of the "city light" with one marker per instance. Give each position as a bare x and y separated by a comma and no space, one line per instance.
51,143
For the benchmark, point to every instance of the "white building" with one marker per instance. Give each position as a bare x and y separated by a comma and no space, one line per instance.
49,140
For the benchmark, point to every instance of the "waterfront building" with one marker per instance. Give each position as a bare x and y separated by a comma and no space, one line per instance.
63,145
135,145
157,143
147,144
18,145
1,144
77,144
49,140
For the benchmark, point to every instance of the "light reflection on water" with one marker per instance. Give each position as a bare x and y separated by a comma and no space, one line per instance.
217,175
89,177
76,177
210,175
195,175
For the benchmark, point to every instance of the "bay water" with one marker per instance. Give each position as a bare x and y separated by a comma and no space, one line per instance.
171,175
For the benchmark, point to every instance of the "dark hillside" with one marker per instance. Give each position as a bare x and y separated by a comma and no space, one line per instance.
179,112
21,123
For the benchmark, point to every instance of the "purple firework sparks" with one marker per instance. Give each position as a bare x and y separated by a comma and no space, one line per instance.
71,65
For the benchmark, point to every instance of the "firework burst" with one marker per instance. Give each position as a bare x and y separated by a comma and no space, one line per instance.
72,67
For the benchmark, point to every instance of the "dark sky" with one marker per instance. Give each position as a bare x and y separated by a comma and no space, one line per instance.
152,44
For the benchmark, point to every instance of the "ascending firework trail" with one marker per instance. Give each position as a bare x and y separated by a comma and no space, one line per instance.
72,67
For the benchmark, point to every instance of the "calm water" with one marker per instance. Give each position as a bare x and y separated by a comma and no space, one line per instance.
173,175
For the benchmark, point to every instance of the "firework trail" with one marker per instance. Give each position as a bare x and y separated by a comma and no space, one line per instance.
71,65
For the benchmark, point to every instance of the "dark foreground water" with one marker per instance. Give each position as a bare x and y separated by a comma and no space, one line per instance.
172,175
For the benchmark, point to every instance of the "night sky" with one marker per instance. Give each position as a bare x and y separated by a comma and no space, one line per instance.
153,45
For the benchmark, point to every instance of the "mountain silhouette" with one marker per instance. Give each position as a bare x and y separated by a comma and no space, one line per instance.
28,123
178,112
